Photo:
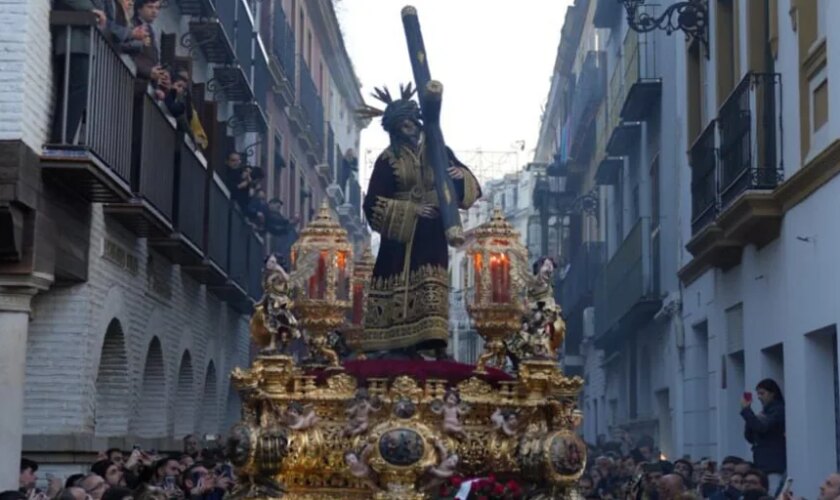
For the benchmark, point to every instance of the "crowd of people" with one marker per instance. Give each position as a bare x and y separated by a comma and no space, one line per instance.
195,474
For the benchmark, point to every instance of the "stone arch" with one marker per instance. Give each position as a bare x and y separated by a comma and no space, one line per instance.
209,420
185,400
150,416
233,408
112,401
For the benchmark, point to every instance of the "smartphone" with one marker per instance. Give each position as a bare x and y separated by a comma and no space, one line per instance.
788,484
169,483
748,396
209,437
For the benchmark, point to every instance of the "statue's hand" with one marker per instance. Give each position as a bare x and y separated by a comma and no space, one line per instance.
456,172
426,211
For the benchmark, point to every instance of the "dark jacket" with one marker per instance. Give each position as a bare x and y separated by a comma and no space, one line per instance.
766,433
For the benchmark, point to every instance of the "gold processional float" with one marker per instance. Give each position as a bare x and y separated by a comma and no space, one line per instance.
316,428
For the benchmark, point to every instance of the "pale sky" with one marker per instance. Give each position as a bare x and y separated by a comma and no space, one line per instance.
494,58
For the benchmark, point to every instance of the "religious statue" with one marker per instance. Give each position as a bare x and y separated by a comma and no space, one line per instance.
300,418
506,422
543,328
273,322
357,463
451,409
359,413
408,301
443,470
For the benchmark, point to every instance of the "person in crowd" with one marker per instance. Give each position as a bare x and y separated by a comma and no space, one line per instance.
12,495
147,58
653,472
94,485
258,210
71,493
116,456
200,484
643,452
118,493
166,470
685,469
671,487
238,179
72,479
755,480
766,432
830,489
586,487
28,476
109,471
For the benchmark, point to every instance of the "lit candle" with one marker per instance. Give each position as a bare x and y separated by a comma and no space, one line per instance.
342,291
320,288
496,277
477,274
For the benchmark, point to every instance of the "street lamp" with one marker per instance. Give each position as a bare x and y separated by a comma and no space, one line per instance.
691,17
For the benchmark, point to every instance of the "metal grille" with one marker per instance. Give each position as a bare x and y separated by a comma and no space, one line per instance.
157,158
191,200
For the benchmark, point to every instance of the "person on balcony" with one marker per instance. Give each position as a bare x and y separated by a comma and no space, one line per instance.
179,103
258,210
147,58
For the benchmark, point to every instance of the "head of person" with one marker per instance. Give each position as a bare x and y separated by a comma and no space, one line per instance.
671,487
186,461
147,10
401,117
742,468
191,446
109,471
28,476
736,481
768,391
261,194
118,493
604,465
71,493
94,485
586,486
195,474
830,489
645,448
73,480
727,468
653,473
755,480
685,469
147,492
234,160
628,466
115,455
275,204
167,467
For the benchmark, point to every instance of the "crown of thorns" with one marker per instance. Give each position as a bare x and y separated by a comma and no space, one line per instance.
396,110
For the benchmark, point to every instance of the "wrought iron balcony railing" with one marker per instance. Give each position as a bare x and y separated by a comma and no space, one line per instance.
284,44
582,277
312,106
750,131
703,160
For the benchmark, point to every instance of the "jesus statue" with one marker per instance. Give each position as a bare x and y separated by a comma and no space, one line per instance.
408,301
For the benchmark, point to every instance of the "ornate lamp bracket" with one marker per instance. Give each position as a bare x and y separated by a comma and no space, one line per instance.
691,17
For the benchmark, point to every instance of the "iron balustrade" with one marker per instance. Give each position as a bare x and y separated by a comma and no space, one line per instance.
192,182
590,90
226,10
312,106
703,161
218,224
108,105
626,280
155,140
284,43
262,76
750,131
238,247
256,253
331,150
581,279
244,39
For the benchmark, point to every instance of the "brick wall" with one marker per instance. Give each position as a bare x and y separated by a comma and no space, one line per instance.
25,63
78,383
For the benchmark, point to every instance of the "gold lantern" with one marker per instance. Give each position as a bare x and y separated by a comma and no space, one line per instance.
359,286
322,300
498,260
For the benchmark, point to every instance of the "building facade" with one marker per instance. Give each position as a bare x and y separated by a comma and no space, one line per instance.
697,180
127,272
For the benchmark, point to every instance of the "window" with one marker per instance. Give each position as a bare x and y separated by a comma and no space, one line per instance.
696,95
278,166
727,49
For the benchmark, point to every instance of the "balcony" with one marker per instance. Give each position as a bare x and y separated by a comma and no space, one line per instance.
149,213
735,202
213,270
244,38
197,8
185,246
589,93
326,169
582,277
312,138
283,58
703,160
621,135
607,13
626,295
642,76
97,164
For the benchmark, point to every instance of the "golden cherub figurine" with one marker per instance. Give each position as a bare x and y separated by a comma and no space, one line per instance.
273,322
543,327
